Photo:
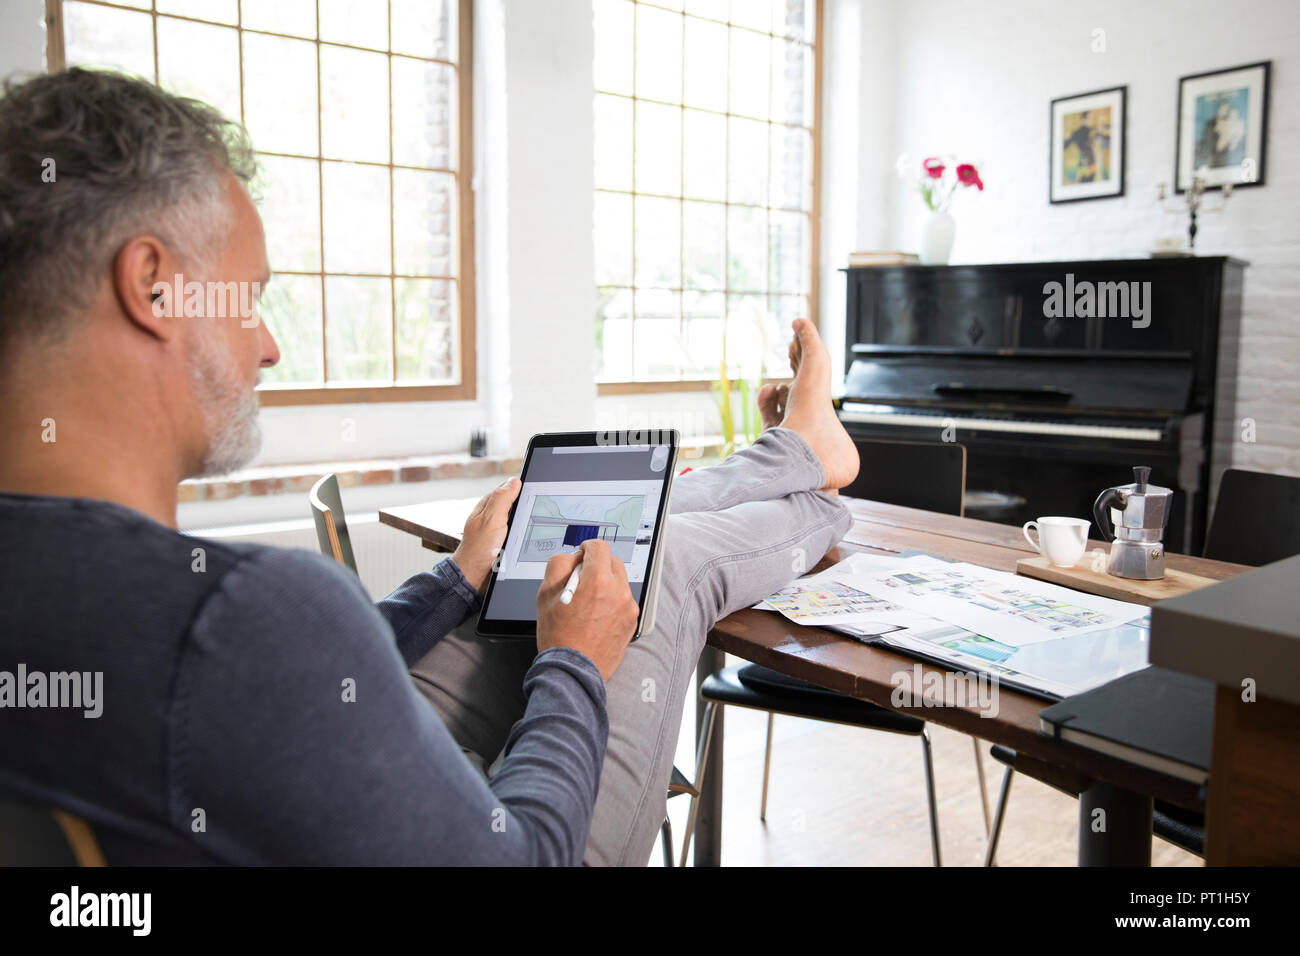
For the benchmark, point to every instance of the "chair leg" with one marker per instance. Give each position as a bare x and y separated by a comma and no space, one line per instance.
767,766
999,815
929,788
666,831
984,790
701,768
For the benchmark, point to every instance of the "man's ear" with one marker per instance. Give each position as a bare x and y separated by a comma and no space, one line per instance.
144,278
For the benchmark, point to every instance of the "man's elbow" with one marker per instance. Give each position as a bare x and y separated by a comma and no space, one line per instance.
547,837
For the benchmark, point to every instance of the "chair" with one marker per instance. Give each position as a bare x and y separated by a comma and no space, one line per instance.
331,524
1256,521
32,835
677,785
1183,828
929,475
926,475
1256,518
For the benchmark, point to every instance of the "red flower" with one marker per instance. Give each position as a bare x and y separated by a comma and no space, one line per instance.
967,175
933,166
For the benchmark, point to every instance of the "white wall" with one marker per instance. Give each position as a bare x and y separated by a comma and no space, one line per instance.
22,36
975,78
859,128
547,313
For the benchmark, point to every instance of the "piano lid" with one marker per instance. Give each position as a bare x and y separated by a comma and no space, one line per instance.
1145,384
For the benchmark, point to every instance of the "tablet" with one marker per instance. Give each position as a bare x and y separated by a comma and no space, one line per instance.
578,485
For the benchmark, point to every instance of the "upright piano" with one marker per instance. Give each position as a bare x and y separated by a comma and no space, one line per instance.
1048,375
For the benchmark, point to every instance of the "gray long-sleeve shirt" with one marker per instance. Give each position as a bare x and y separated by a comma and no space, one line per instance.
256,707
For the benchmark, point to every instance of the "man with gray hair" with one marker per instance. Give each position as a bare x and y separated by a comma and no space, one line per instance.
256,707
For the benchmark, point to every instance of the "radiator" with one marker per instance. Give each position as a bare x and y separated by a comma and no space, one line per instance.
385,556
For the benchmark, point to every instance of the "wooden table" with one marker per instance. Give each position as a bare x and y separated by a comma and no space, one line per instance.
438,524
842,664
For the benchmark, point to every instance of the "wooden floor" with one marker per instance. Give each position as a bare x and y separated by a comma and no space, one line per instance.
840,796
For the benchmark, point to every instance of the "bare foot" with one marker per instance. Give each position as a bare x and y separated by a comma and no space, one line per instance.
808,408
772,400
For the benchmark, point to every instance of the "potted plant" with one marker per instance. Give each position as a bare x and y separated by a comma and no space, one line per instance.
748,381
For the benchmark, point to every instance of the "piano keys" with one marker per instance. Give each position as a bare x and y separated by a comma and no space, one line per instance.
885,415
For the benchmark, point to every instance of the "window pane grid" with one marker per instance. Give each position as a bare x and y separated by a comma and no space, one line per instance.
723,21
348,284
701,109
759,267
258,31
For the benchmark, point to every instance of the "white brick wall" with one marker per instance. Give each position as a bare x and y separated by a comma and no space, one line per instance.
975,77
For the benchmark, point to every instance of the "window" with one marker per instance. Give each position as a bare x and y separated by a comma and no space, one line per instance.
361,123
705,206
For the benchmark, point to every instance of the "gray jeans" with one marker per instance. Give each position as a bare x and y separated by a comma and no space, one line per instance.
737,532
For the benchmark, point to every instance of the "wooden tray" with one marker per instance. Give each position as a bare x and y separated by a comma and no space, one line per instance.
1082,578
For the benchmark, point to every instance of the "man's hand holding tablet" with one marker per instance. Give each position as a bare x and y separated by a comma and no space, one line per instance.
485,532
601,617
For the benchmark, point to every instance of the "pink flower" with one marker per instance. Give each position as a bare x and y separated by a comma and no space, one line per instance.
968,175
933,166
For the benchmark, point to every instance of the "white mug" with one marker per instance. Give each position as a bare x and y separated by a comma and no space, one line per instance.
1061,540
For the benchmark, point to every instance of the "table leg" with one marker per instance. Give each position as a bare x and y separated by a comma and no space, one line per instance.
708,825
1114,827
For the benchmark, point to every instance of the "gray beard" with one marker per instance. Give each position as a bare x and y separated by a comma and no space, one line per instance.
229,408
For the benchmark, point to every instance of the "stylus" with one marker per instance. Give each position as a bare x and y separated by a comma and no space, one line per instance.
572,586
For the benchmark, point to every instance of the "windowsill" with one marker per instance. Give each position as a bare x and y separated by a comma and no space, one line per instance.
298,479
276,397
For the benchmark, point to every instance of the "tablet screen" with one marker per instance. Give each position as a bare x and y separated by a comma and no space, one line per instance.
573,492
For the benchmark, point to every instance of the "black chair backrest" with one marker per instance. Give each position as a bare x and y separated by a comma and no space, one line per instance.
917,474
1256,518
29,836
331,525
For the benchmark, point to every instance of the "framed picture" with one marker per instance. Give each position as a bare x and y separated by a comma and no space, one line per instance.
1086,153
1223,126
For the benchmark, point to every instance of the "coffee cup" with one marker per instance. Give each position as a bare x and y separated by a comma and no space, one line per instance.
1061,540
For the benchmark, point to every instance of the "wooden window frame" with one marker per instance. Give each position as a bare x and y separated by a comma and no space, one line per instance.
326,394
634,387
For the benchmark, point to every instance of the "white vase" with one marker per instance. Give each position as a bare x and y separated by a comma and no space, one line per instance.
936,238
